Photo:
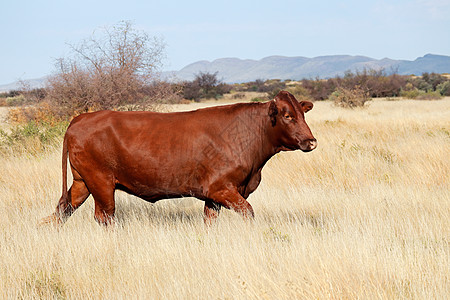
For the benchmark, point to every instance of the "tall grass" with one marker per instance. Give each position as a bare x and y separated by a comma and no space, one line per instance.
365,215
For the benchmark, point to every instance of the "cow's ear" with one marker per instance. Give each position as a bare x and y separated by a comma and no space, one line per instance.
273,112
306,106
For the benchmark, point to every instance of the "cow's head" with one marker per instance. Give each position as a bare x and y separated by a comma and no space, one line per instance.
290,130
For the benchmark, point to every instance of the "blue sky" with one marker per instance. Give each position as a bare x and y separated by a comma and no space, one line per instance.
35,33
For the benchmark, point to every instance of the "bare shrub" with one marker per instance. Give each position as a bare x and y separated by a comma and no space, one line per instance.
114,68
350,97
376,82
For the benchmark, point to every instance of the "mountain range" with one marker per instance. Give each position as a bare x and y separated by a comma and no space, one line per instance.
235,70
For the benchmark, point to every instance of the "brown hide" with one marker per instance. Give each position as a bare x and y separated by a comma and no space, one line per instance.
214,154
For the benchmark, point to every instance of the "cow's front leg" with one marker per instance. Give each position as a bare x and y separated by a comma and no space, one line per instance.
231,199
212,210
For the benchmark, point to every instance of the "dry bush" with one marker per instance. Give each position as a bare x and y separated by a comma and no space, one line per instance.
350,98
116,67
376,82
44,112
319,89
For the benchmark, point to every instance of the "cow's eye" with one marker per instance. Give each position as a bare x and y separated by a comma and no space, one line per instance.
288,116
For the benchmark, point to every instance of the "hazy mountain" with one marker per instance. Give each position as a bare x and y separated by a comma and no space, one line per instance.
237,70
428,63
26,83
232,70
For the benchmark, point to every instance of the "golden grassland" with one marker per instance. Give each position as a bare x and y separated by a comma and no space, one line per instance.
364,216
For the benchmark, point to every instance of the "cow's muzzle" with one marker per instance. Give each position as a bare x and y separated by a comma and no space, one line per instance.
308,145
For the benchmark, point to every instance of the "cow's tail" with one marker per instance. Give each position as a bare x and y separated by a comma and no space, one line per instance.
63,208
65,154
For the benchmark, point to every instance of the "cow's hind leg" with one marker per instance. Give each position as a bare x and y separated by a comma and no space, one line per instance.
78,193
103,193
76,196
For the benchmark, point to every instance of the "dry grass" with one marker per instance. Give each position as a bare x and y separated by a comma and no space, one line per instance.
366,215
3,117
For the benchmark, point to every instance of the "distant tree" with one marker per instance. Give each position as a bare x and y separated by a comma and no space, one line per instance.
319,89
205,85
258,85
434,79
420,84
444,88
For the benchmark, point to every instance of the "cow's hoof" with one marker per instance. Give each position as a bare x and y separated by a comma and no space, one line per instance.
51,220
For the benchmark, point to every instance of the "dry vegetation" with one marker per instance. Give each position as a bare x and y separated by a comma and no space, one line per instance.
366,215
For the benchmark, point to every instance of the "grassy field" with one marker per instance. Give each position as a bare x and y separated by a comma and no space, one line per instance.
364,216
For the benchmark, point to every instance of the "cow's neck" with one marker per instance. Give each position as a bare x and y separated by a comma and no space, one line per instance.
261,146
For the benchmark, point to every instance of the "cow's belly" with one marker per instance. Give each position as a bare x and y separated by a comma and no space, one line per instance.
154,184
151,195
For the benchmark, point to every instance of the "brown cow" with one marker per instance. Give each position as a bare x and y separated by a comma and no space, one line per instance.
214,154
